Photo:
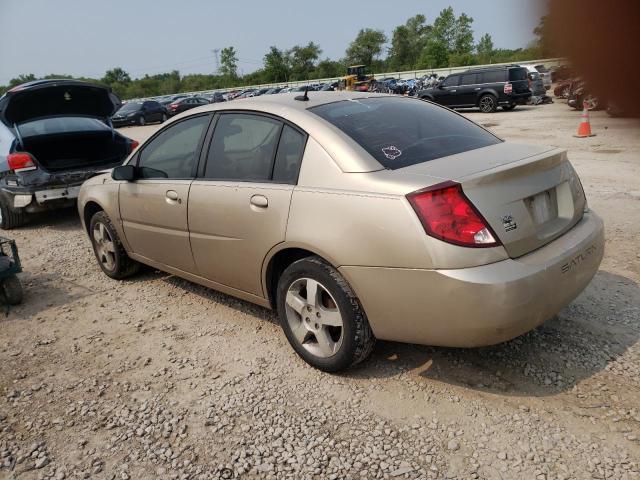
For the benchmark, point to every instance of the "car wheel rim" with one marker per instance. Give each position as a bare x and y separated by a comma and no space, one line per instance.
141,120
164,118
104,245
314,317
486,104
591,102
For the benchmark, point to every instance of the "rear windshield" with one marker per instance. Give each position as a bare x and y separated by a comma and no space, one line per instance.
130,107
57,125
516,74
399,132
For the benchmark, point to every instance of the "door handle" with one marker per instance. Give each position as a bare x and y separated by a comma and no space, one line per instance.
172,196
476,89
259,201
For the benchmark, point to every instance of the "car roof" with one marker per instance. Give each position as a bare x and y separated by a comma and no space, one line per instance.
349,156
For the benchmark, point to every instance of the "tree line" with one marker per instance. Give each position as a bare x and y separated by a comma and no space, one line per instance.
415,45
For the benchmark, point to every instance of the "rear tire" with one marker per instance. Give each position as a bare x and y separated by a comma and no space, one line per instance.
329,330
10,218
108,248
488,103
12,290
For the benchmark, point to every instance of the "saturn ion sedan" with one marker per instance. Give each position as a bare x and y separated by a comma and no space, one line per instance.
355,217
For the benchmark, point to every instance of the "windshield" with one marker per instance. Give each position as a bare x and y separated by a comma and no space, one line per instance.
130,107
399,132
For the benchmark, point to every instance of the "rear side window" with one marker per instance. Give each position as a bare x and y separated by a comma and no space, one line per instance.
493,76
399,132
517,74
468,79
243,148
289,156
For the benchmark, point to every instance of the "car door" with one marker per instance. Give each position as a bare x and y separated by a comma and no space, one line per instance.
153,208
467,90
239,206
154,111
447,91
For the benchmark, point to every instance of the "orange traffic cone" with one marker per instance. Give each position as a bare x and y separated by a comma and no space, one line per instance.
584,130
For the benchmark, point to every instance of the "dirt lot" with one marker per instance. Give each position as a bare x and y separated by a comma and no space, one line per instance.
156,377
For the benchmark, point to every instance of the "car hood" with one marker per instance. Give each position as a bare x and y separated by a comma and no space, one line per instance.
48,98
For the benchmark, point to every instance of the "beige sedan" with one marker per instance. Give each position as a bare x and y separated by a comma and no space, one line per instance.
355,217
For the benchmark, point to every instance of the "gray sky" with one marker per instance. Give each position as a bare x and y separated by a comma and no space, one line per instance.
87,37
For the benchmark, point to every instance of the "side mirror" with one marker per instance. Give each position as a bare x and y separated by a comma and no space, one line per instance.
124,172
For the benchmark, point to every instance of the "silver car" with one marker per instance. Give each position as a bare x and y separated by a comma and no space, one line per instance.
355,216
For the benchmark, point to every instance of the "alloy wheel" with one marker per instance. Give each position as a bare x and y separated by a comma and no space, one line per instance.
104,245
314,317
486,104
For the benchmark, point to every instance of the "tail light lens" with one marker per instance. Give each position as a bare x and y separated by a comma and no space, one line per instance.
21,162
448,215
134,144
173,106
508,88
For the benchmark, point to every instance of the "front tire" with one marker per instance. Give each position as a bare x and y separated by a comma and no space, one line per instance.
108,248
488,103
322,317
9,218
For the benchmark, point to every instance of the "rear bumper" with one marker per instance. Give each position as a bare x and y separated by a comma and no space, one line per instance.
517,98
483,305
125,122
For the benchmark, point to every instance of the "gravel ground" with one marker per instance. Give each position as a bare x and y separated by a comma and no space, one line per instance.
156,377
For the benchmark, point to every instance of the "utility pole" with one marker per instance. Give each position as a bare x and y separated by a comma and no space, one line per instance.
216,51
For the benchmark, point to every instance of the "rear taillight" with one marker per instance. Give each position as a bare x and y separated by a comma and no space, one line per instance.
508,88
134,144
20,162
173,105
448,215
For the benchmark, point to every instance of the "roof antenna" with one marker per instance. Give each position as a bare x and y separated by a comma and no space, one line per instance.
305,97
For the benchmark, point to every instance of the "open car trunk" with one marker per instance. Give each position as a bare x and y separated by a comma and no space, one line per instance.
77,150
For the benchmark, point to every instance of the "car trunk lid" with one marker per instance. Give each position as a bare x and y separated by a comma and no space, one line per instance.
519,79
529,195
51,98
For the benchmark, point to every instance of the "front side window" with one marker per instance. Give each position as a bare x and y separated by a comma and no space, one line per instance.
243,147
451,81
173,153
399,132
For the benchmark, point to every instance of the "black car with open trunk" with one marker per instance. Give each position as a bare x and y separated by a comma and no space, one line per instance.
54,134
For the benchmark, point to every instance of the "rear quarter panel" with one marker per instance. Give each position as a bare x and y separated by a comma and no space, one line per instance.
365,219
